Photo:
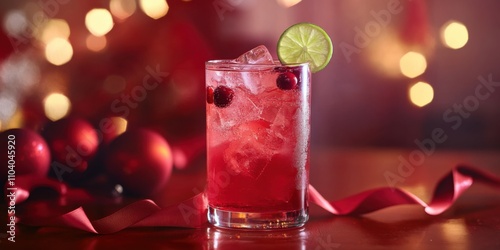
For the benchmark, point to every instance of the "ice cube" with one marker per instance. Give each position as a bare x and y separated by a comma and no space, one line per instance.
254,82
257,55
248,158
227,120
249,153
281,107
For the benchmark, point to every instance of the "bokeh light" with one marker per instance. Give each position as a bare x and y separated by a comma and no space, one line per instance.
99,22
96,43
54,28
56,106
120,123
15,22
288,3
412,64
122,9
8,106
421,94
384,54
17,120
154,8
58,51
454,35
19,73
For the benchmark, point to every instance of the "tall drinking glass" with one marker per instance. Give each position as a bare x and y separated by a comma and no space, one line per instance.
258,129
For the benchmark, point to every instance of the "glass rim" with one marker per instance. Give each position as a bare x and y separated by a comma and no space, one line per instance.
229,63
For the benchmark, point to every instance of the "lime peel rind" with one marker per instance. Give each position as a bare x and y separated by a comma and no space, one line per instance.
305,43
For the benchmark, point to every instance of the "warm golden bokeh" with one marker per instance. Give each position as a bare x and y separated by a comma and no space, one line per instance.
56,106
421,94
412,64
288,3
122,9
58,51
54,28
99,22
454,35
120,123
154,8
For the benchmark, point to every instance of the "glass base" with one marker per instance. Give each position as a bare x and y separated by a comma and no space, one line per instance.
246,220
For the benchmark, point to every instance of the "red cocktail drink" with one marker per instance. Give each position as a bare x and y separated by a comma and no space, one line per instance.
258,129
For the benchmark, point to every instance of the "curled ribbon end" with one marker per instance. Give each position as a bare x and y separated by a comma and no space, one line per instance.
435,211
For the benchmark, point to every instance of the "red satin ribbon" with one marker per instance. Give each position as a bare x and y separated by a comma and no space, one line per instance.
192,212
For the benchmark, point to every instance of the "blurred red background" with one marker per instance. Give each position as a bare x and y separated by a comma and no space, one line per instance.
149,67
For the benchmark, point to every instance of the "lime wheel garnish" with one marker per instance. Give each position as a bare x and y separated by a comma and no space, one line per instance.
305,43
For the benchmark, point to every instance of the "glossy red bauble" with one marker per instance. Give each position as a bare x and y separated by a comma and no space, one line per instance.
140,160
73,143
23,152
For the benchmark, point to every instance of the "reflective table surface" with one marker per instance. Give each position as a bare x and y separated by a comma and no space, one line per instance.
473,222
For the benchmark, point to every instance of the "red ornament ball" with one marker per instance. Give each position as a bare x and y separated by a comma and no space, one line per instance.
73,143
25,152
141,161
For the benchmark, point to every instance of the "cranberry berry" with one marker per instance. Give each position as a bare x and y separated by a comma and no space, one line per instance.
210,94
223,96
286,81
